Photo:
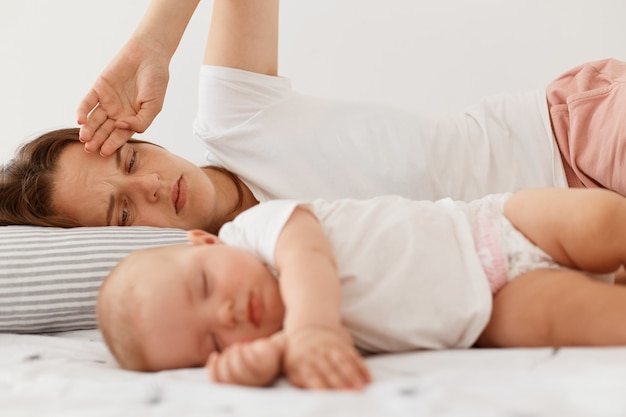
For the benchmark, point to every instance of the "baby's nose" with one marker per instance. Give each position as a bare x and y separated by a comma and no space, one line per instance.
226,314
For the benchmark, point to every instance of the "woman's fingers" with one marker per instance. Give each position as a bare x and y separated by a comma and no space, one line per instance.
88,103
94,121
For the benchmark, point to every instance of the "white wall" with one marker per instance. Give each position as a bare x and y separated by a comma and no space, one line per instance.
432,56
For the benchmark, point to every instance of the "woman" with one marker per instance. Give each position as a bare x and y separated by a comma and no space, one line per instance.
53,182
280,144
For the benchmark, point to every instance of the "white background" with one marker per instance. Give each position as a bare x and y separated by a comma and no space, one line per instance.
435,56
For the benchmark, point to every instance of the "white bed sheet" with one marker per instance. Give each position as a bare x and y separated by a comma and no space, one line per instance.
73,374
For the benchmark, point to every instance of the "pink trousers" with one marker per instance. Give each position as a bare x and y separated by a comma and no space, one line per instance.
588,110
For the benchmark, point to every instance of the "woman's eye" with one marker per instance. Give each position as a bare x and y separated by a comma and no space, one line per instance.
124,219
131,162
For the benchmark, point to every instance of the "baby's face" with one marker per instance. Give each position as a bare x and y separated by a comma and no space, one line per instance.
195,299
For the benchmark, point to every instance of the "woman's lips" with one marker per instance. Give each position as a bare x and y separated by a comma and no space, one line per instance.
179,194
254,310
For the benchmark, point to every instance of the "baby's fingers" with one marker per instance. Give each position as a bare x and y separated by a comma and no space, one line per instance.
227,366
340,371
308,375
336,369
241,364
260,362
349,370
210,366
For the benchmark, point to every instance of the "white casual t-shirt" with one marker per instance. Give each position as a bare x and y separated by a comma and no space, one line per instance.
409,280
287,145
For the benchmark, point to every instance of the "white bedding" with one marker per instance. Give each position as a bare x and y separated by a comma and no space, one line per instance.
72,374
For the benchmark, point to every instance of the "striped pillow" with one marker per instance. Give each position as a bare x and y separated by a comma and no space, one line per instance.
49,277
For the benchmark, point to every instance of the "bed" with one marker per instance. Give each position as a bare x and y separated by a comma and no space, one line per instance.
72,374
53,361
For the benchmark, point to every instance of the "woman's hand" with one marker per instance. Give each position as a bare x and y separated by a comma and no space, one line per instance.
125,98
254,364
324,358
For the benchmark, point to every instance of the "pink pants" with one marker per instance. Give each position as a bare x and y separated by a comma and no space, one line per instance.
588,110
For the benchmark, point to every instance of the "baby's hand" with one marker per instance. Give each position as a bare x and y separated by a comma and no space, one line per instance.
324,358
255,364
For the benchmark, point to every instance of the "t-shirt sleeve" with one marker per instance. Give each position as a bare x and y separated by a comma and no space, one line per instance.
228,97
258,228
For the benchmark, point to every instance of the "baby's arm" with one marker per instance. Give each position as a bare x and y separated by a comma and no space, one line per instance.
319,351
254,364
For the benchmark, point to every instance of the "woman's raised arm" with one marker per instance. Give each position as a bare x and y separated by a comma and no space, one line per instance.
129,93
244,35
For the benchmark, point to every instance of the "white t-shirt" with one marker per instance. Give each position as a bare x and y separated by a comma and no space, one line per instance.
287,145
409,281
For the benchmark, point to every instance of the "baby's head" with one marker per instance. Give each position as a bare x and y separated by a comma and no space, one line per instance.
171,306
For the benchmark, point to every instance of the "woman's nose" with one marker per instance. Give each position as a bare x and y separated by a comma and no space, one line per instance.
147,185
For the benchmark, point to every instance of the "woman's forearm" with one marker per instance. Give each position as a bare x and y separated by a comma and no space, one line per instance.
164,23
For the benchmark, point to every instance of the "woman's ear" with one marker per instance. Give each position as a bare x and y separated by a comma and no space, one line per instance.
200,237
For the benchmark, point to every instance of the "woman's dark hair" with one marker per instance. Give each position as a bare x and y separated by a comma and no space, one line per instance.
27,180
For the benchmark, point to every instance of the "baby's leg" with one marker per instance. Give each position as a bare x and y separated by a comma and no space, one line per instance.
549,307
580,228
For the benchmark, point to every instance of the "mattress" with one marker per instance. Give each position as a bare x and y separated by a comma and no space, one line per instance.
73,374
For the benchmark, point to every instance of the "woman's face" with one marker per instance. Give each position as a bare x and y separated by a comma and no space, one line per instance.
140,185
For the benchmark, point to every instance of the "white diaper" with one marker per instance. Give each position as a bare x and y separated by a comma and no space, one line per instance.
504,252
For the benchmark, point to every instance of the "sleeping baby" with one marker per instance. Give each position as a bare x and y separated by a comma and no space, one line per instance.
302,289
